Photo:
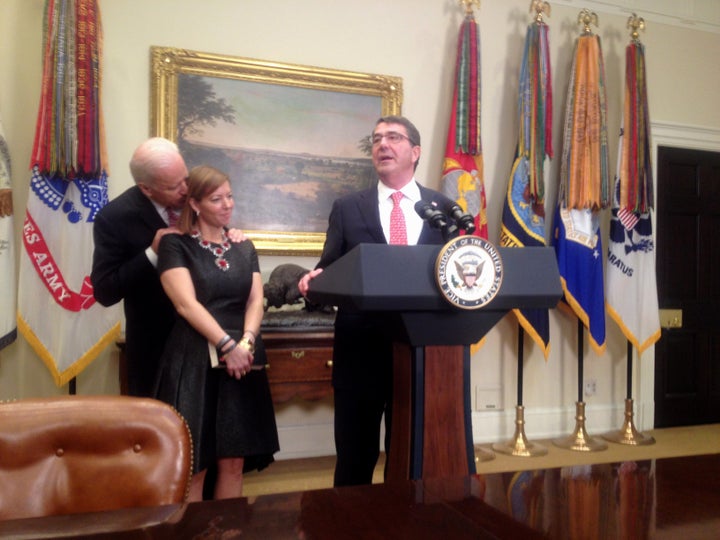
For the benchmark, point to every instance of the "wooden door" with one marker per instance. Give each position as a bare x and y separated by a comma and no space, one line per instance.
687,357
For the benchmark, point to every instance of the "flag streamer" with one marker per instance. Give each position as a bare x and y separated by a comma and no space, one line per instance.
463,164
535,107
584,173
636,175
467,111
68,135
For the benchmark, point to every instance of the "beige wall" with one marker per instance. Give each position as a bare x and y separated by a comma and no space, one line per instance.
411,39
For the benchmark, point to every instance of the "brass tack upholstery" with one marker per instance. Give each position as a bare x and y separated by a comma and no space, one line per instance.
71,454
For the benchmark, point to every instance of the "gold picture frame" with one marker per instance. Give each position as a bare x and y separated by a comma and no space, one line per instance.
292,138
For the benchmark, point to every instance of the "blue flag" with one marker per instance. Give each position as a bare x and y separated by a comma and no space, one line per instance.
523,218
578,247
523,224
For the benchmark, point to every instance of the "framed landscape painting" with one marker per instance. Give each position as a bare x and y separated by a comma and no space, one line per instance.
291,138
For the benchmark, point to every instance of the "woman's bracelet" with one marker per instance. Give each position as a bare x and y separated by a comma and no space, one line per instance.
246,344
223,341
223,354
227,349
251,333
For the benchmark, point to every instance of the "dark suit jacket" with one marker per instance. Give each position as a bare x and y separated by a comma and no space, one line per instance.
362,352
123,230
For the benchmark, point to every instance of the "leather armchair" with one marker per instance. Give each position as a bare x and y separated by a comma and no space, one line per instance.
73,454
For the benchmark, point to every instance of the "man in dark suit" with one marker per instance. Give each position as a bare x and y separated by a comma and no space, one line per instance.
362,352
127,233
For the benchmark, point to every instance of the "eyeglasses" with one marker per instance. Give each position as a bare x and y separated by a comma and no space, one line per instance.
393,137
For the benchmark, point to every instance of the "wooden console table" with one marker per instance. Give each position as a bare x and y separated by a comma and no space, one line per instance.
299,363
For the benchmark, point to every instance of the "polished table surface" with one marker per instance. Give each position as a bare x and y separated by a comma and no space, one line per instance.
664,498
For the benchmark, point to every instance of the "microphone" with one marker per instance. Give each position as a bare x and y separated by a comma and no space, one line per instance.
465,221
431,214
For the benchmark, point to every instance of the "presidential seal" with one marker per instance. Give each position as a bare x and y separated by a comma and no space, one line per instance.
469,272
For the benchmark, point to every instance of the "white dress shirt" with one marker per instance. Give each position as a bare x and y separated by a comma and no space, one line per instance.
413,222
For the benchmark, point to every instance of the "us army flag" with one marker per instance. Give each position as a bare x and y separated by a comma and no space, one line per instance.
57,314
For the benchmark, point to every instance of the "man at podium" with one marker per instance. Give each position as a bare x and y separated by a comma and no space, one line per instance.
363,352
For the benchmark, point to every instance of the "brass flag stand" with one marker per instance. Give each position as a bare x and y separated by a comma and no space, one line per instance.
519,444
520,229
580,440
628,434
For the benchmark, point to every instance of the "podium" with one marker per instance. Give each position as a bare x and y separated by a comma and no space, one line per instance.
431,415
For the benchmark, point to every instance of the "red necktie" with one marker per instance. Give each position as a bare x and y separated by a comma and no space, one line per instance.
172,216
398,232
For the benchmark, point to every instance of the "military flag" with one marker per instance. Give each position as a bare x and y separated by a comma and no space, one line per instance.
8,283
631,285
584,190
523,217
578,247
462,178
57,312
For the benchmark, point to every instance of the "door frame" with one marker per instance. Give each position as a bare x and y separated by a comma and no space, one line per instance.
677,136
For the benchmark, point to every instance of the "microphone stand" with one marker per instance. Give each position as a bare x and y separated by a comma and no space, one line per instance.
448,222
449,231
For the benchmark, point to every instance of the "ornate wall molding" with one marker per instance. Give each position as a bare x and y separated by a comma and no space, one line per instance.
701,15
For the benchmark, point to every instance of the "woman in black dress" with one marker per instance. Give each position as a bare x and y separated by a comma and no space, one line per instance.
216,288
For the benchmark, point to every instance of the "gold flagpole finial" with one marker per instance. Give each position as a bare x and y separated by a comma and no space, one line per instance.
468,5
586,18
539,7
635,24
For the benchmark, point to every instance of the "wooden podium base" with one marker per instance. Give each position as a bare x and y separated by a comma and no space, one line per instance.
431,425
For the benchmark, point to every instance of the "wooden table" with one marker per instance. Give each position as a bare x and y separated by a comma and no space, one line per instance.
656,499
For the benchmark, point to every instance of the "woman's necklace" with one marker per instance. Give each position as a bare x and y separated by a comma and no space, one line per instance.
217,250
